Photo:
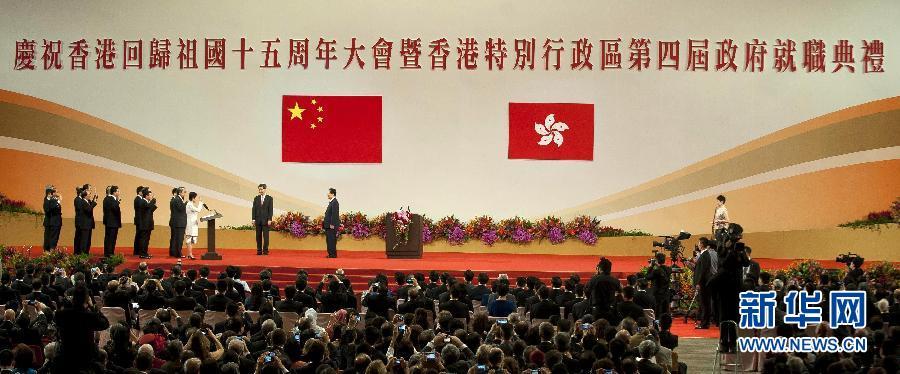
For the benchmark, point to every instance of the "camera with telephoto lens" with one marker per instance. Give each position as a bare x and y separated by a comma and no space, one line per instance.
850,258
673,245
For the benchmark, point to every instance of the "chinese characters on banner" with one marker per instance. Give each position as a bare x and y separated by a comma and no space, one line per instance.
757,309
493,54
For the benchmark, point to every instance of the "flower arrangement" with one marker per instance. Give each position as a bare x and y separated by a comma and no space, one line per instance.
15,257
874,220
295,223
885,274
515,230
584,228
15,206
356,225
401,219
552,229
805,271
451,229
895,210
427,230
483,228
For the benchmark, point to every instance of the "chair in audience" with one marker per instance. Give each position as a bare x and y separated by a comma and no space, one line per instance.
212,318
289,320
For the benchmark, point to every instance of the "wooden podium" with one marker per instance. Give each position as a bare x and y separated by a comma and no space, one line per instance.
413,247
211,237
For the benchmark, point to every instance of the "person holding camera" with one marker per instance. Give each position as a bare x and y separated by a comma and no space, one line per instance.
85,201
377,300
52,218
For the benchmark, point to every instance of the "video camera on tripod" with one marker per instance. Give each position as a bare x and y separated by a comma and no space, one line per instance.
673,245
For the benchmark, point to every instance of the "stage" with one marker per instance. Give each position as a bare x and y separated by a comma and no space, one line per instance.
360,266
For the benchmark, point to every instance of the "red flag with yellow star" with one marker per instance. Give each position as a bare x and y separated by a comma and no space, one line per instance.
331,129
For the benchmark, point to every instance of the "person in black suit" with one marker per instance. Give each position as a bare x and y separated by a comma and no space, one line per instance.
751,271
263,210
332,223
416,301
181,301
704,272
601,290
146,205
455,305
137,233
84,218
112,219
545,307
75,326
52,218
628,308
177,221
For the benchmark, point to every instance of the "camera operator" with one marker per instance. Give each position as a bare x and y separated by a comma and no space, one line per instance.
660,276
855,272
730,278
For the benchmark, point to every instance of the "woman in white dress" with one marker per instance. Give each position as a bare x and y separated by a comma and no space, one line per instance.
192,208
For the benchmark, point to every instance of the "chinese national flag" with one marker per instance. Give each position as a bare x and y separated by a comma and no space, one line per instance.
331,129
551,131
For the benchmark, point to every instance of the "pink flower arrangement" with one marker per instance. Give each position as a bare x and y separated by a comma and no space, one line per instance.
401,219
483,228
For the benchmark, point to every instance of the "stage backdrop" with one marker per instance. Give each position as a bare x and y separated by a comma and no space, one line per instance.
793,113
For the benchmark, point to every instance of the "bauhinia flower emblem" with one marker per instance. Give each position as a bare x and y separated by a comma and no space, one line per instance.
550,131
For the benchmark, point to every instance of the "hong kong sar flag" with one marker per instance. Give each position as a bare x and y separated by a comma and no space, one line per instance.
551,131
331,129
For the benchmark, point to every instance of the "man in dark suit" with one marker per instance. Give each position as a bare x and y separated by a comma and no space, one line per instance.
84,218
628,308
112,219
137,237
263,210
177,221
52,218
416,301
455,305
704,271
332,223
601,290
478,292
146,206
751,271
75,326
544,307
181,301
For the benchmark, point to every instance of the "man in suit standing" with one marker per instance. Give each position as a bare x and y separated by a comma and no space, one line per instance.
52,218
137,215
704,271
751,271
177,221
145,207
263,210
112,219
332,223
84,218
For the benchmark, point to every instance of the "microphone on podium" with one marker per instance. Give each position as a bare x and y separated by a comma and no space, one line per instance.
205,206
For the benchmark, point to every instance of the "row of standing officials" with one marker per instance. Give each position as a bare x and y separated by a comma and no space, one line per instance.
145,205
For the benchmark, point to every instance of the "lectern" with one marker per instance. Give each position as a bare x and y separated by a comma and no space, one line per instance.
211,237
413,246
